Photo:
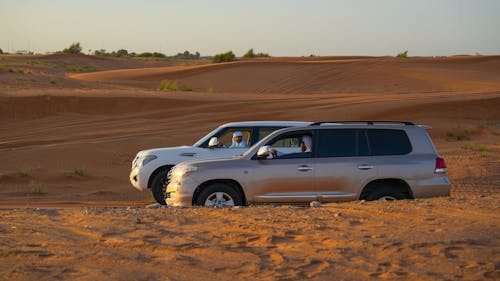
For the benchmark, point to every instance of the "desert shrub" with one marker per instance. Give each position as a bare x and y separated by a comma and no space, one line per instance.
458,134
210,90
402,54
79,172
36,188
167,85
74,48
24,173
224,57
251,54
469,146
186,88
53,81
78,68
2,67
483,148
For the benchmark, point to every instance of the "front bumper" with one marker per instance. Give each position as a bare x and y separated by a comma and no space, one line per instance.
138,179
180,194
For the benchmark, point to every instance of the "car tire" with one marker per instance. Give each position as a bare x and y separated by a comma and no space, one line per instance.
219,195
385,193
158,186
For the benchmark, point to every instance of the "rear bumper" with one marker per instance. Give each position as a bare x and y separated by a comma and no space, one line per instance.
434,187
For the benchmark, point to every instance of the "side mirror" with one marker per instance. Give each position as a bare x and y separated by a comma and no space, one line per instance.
264,152
213,143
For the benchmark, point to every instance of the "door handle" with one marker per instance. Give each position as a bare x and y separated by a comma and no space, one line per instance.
366,167
304,168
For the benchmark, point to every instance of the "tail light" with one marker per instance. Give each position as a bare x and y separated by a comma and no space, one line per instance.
440,166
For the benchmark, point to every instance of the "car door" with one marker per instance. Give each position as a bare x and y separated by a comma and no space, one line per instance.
343,165
287,178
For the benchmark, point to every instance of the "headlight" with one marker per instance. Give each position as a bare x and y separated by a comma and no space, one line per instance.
183,171
148,159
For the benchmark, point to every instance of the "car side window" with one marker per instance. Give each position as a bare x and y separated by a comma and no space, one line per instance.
228,139
337,143
295,145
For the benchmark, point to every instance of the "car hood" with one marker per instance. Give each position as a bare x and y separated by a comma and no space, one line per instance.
212,162
178,150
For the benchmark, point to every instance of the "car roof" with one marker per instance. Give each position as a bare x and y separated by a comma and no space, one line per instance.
324,126
267,124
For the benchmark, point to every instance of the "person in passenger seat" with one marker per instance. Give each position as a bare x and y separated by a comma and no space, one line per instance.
306,144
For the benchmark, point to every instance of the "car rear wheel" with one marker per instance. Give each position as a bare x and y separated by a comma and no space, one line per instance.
159,185
385,193
219,195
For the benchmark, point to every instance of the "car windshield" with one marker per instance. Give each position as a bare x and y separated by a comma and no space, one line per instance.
207,137
229,137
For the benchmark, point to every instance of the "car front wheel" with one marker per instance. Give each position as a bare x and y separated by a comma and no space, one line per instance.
158,186
219,195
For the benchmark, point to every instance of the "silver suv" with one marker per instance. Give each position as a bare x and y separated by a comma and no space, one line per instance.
325,161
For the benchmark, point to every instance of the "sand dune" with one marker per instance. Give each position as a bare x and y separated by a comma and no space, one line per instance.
368,75
66,147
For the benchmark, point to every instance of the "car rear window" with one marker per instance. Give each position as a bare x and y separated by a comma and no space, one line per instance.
388,142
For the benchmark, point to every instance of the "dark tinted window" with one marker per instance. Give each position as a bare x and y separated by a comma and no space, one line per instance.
388,142
363,149
336,143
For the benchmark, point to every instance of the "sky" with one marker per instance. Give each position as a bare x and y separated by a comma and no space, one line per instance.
277,27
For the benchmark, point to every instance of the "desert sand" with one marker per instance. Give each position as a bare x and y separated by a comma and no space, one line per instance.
70,126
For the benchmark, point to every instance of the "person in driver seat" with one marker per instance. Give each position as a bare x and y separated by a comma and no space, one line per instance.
238,141
305,146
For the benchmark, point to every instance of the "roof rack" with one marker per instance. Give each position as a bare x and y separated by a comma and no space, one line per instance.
369,122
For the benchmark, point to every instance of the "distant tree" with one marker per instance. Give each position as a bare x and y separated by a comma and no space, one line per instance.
74,48
121,53
403,54
187,56
224,57
145,55
249,54
101,53
158,55
1,52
